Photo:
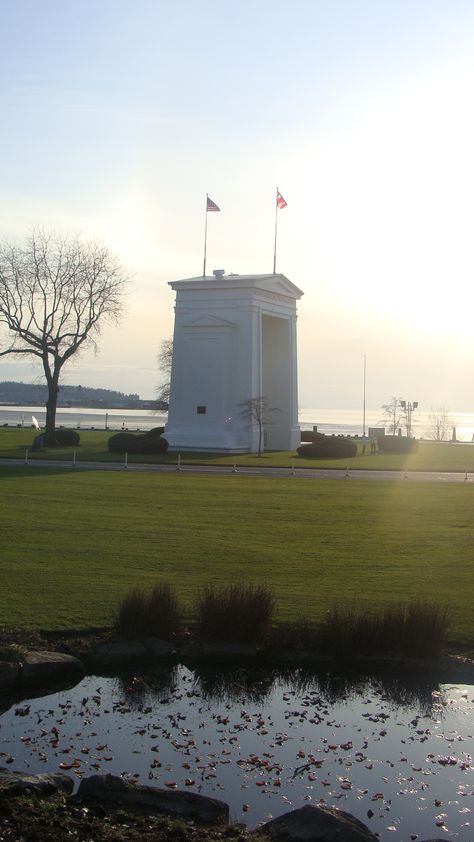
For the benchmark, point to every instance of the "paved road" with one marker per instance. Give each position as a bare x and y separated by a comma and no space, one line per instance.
307,473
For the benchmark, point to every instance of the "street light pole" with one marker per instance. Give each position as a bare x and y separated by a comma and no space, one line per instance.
408,410
363,404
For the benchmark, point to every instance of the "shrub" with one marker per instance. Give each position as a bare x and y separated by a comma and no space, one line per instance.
67,437
130,443
154,613
236,613
414,630
121,443
149,444
131,613
155,431
328,447
310,435
396,444
163,610
301,633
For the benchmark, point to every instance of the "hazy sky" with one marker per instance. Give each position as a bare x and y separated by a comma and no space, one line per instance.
118,117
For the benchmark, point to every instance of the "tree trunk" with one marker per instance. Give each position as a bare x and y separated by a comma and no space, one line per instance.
51,404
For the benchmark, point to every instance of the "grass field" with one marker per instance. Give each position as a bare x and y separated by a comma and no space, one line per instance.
430,456
74,542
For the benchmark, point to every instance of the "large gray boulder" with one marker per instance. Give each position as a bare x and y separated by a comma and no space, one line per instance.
20,783
108,789
43,665
121,651
159,648
318,824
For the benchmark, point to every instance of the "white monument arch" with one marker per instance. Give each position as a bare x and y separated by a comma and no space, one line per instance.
234,341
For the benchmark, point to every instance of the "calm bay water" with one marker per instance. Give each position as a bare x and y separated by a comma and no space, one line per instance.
329,421
394,753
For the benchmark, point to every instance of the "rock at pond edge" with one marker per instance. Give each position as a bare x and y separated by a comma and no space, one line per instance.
318,824
40,665
20,783
183,805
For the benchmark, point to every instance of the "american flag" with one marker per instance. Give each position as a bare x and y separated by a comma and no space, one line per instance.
211,206
281,203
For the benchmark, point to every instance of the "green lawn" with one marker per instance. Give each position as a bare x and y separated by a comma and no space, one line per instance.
430,456
74,542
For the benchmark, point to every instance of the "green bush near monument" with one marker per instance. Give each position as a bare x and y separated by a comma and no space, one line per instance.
397,444
326,447
150,442
67,437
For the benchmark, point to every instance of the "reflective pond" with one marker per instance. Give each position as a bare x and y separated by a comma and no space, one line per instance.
396,754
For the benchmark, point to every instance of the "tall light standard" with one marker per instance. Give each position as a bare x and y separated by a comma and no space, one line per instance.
363,402
408,410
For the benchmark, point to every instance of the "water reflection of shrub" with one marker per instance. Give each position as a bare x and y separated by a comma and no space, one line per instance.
234,684
406,691
137,689
254,685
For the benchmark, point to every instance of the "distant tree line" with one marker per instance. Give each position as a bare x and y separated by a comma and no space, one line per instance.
13,392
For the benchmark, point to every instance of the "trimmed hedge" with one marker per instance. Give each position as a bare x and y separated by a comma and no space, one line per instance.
130,443
121,442
155,431
67,437
328,447
396,444
310,435
150,444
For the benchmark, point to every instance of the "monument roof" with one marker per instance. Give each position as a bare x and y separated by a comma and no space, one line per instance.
277,283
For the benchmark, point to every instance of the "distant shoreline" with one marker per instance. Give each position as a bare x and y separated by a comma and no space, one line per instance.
146,405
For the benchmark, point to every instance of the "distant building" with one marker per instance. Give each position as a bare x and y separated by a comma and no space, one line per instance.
234,341
376,432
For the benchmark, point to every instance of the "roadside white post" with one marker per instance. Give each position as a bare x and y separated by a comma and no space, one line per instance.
292,469
125,464
179,462
235,466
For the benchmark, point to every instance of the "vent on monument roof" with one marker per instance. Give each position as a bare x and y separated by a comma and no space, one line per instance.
219,273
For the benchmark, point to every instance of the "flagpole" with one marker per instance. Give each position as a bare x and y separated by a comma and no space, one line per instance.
205,243
276,223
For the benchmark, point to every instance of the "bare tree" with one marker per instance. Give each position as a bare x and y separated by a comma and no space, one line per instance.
256,411
54,293
165,361
440,423
393,413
